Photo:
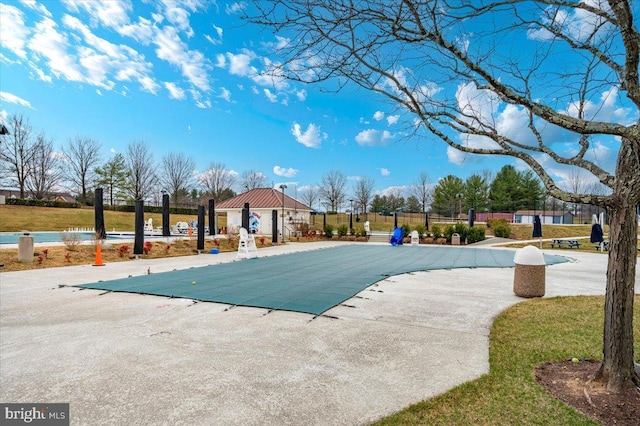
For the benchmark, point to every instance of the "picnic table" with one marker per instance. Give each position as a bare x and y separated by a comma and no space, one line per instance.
564,243
603,246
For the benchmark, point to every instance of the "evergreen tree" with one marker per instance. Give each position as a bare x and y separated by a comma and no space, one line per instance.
413,204
378,204
113,177
505,190
531,191
447,194
476,193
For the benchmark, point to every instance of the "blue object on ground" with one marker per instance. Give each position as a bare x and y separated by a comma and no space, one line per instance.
396,238
311,281
214,251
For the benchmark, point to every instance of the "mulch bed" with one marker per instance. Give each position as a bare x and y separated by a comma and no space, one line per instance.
570,383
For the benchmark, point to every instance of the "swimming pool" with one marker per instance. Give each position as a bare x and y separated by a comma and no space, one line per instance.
54,236
40,237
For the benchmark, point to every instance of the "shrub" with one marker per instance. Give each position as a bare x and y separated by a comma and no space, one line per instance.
360,232
475,234
406,230
437,231
303,228
343,230
493,222
448,232
41,203
122,250
328,230
71,240
421,229
502,230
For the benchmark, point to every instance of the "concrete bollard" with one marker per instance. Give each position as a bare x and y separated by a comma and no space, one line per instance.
529,275
25,248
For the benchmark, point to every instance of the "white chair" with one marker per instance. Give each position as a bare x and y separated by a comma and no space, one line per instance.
182,227
415,238
247,246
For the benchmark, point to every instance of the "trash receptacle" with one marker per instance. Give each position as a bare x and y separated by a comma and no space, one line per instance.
455,240
25,248
529,276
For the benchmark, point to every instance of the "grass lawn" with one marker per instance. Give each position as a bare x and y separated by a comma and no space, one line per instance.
19,218
523,337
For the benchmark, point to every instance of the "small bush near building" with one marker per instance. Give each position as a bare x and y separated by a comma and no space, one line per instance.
406,230
343,230
475,234
502,230
328,230
421,229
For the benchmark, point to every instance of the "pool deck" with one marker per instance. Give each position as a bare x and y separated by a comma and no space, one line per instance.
122,358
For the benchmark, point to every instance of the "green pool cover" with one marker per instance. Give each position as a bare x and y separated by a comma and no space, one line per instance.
310,281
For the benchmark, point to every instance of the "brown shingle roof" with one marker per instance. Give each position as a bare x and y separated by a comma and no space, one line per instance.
262,198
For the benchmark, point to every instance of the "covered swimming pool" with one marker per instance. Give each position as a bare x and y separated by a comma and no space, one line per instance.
311,281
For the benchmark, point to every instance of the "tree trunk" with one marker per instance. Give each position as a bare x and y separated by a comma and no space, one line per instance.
617,368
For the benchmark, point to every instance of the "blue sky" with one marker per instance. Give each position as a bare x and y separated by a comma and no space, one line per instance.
185,76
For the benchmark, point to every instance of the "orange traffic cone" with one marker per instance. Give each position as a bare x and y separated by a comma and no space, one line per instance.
98,261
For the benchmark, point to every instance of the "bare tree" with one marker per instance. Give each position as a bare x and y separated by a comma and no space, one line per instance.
44,169
422,190
452,67
82,156
363,192
252,179
177,175
309,195
332,189
140,164
217,181
17,151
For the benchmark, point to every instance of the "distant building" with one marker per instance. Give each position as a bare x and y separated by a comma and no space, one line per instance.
548,217
262,202
9,193
482,217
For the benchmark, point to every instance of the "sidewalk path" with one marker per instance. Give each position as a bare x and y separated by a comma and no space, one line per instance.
121,358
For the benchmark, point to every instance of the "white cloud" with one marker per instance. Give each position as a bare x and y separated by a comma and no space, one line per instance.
240,64
605,110
219,33
174,91
384,172
392,119
301,95
38,7
193,63
48,43
235,7
373,137
272,97
142,31
311,138
14,33
578,24
398,190
378,115
285,172
225,94
13,99
112,14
